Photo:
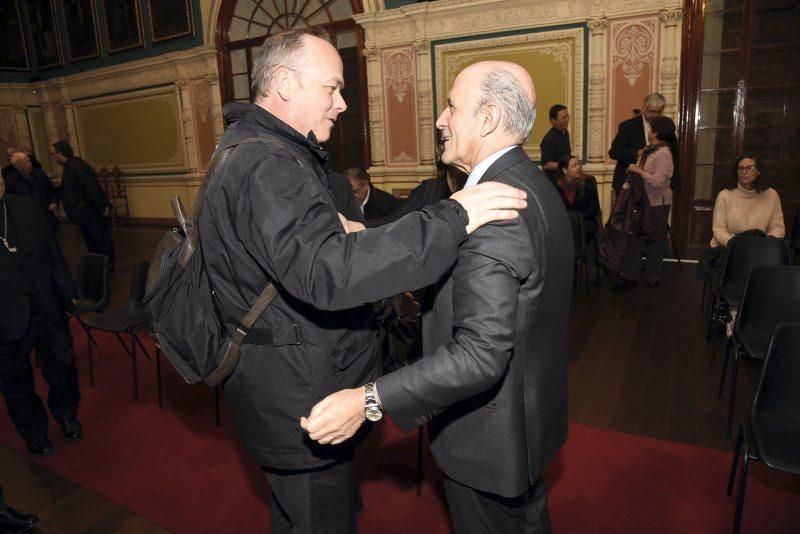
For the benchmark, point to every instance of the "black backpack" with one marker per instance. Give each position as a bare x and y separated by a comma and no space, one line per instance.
186,323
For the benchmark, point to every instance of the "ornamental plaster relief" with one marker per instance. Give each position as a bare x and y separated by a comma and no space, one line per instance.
398,73
632,48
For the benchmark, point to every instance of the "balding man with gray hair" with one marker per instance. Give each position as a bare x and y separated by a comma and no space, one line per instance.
492,382
631,138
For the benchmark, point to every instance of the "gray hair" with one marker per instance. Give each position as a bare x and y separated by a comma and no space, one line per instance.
517,112
283,49
655,100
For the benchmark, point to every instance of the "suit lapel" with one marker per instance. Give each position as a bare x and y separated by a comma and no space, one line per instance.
504,162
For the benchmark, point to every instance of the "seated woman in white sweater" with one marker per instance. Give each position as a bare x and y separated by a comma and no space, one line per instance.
747,204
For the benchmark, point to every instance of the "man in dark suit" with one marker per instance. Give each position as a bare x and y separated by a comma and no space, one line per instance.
84,200
631,138
28,181
36,290
374,202
492,383
555,143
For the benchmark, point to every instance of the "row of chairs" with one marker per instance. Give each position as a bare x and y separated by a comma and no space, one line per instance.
759,281
129,320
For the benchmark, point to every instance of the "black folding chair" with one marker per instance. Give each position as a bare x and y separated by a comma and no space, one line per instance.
129,319
744,253
92,282
771,297
772,432
576,222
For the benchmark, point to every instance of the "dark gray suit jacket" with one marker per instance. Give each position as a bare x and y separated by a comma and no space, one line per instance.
493,382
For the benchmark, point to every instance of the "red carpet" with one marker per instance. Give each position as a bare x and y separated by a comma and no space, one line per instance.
177,469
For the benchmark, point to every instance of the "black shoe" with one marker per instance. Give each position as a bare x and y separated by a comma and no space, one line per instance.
15,522
40,446
71,429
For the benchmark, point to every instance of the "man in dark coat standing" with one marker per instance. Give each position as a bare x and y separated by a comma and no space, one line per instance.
28,181
374,202
631,138
555,143
84,200
269,215
492,382
36,290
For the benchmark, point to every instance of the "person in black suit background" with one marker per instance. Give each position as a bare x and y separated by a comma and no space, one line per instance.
36,290
28,181
555,144
492,383
631,139
84,200
374,202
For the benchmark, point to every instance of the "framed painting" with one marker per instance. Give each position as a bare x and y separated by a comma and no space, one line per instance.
170,19
80,19
44,31
13,54
123,24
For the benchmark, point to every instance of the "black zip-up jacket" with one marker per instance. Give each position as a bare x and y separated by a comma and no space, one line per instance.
269,214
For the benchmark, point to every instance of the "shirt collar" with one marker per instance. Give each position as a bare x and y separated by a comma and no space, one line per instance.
366,199
479,170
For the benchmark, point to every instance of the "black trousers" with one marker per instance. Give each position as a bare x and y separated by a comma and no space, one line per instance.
53,344
97,236
478,512
314,501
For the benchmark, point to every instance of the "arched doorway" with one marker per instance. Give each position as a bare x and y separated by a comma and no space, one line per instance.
242,26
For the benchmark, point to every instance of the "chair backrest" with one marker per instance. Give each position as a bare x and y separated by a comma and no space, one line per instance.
747,252
778,393
138,283
771,297
92,278
576,221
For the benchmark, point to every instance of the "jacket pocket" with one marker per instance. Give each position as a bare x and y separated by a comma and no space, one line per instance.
352,346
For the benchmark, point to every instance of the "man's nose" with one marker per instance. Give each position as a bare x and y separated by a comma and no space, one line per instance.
339,103
441,122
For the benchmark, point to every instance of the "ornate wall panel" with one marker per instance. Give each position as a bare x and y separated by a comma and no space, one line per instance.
633,69
400,104
138,132
9,138
554,59
41,145
203,118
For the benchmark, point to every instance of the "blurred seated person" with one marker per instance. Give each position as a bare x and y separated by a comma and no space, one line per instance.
746,206
374,202
30,182
579,193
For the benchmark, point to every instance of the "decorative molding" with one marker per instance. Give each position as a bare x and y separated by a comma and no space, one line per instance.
402,157
399,72
598,25
8,126
633,46
201,98
669,68
671,15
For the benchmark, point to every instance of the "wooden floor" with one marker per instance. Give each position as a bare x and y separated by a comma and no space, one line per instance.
638,364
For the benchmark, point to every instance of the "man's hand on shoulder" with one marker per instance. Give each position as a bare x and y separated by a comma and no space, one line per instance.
336,418
489,202
350,226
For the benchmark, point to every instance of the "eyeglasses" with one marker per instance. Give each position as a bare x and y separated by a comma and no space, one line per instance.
746,169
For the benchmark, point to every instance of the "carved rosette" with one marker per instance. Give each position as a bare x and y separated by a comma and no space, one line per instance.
671,17
633,50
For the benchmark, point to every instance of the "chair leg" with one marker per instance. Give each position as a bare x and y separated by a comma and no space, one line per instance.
734,373
134,374
724,368
91,361
737,520
218,419
158,379
736,452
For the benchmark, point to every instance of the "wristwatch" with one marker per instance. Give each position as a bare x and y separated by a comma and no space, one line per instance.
372,410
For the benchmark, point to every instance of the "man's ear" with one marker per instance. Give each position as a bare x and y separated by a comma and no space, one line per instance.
490,114
284,83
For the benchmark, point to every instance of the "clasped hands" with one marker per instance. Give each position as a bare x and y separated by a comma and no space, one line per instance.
336,418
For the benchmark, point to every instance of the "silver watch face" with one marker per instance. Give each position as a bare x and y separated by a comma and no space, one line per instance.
373,413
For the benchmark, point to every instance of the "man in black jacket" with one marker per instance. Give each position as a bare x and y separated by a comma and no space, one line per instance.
84,200
36,290
631,138
555,143
492,382
374,203
270,215
28,181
